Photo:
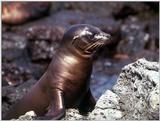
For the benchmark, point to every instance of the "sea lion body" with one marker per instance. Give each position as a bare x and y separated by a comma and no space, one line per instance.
66,82
65,73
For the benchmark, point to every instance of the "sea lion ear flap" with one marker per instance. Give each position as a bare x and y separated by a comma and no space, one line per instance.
74,39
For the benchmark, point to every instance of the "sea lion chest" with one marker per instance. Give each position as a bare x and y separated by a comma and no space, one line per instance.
71,74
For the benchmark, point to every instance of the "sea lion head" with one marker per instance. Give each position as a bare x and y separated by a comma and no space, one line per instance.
86,38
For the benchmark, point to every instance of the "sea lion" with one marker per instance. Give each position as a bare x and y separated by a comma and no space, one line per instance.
20,12
65,84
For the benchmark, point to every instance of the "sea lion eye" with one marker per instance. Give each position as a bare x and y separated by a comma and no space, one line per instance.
91,37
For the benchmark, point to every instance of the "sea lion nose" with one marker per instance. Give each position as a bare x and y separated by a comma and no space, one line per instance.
103,36
106,36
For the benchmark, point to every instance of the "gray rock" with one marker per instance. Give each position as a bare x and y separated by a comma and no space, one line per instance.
13,46
138,89
11,94
107,107
28,116
134,37
73,114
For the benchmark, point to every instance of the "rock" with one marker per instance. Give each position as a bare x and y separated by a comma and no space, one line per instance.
125,9
73,114
13,46
10,94
153,29
153,6
12,74
138,89
107,107
27,116
24,11
44,41
45,33
5,108
14,93
109,25
134,38
61,19
149,55
104,109
103,8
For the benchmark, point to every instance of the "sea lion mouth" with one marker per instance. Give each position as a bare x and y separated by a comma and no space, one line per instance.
92,48
102,37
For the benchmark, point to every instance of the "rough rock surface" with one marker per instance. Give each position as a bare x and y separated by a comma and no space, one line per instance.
107,107
138,89
134,38
11,94
135,96
13,43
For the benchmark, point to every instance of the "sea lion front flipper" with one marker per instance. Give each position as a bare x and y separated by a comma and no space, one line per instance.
56,108
87,104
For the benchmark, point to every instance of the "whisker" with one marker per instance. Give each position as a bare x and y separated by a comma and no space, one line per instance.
96,45
86,46
90,46
100,44
93,46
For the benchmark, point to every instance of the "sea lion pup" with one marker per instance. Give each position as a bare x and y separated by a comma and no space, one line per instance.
21,12
66,82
